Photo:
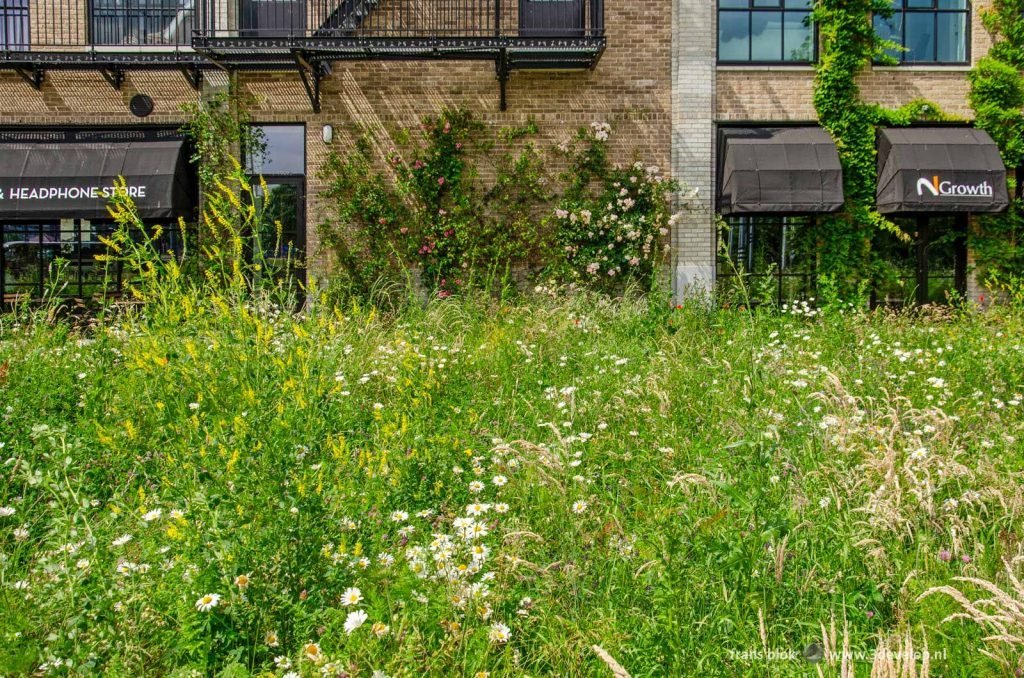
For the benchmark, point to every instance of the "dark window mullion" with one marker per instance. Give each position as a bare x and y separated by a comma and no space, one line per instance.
782,31
903,35
750,34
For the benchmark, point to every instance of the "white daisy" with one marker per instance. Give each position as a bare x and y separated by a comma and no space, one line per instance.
579,507
352,596
499,481
354,620
313,653
499,633
208,602
477,509
122,540
152,515
399,516
7,511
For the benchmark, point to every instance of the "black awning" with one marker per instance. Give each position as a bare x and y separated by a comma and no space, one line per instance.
939,169
76,180
791,170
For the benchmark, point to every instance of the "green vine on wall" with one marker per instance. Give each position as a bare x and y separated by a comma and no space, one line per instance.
849,45
997,98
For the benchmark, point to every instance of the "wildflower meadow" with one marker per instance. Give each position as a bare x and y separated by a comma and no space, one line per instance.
562,484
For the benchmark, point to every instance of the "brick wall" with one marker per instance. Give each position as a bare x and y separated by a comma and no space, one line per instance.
630,89
784,92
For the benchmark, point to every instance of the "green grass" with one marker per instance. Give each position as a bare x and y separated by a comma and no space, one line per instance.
795,468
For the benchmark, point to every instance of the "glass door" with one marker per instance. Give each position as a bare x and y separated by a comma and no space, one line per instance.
282,235
930,269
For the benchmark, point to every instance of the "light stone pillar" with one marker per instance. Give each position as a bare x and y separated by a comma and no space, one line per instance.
694,51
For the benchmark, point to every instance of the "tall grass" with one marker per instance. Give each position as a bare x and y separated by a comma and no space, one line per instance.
193,486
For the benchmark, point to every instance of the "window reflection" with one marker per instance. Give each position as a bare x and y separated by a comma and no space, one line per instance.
279,150
930,31
60,256
14,27
778,31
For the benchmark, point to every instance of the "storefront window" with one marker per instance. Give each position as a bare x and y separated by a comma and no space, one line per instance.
767,259
930,268
931,31
765,31
59,257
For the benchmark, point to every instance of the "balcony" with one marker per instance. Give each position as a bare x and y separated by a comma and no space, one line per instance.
118,35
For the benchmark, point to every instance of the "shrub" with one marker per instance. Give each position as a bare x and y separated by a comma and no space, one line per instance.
427,206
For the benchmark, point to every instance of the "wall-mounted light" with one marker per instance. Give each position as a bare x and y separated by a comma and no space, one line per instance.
328,134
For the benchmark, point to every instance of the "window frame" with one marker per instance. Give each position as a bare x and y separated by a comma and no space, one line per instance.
926,230
16,13
750,10
936,12
776,222
298,180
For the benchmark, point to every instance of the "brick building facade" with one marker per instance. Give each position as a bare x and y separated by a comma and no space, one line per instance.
652,71
763,94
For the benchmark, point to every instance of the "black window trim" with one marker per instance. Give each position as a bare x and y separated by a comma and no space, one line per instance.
750,10
901,56
305,147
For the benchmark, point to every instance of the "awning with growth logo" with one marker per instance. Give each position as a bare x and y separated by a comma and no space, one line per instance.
939,169
781,170
75,180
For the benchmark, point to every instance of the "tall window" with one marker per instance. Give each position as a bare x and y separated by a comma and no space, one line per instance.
767,259
140,22
14,25
765,31
278,155
931,31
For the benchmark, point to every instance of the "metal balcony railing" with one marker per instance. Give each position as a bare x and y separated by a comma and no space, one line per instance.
116,35
134,25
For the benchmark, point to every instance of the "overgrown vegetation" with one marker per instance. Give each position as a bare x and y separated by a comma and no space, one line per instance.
997,97
460,207
212,485
849,45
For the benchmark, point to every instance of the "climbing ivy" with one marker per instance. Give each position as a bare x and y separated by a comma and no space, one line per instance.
848,47
997,98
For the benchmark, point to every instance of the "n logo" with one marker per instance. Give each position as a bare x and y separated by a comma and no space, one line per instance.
930,186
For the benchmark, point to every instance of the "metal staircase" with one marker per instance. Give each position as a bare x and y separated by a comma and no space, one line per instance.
347,18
